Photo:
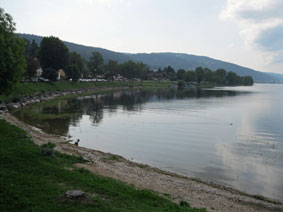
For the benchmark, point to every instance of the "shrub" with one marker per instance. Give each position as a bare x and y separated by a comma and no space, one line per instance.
47,149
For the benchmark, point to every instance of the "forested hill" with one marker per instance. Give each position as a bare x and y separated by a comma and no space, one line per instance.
175,60
84,51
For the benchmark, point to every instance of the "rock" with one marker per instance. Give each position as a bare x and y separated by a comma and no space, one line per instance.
3,107
13,106
75,194
56,149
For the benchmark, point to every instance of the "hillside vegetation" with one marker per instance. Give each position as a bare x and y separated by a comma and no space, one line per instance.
161,60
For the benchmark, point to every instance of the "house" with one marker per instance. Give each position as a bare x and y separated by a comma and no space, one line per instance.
38,72
61,74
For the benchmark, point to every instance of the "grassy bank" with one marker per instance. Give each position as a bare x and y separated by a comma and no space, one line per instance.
32,181
30,88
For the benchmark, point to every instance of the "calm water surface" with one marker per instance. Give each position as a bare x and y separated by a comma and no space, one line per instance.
232,136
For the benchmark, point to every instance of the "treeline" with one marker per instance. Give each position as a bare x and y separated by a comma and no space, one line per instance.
220,76
53,56
22,59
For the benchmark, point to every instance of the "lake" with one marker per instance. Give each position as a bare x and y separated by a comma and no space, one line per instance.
231,135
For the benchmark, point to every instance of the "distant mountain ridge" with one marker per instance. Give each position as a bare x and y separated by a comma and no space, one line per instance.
161,60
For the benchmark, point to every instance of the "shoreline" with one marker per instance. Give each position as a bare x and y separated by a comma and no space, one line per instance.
198,193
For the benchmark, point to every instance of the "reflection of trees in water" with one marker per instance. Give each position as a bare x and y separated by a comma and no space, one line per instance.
94,108
70,112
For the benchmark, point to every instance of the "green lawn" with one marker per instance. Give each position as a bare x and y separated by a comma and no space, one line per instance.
33,182
30,88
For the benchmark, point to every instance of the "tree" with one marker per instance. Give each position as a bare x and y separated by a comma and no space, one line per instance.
232,78
50,73
170,72
200,74
129,70
111,69
95,64
208,75
31,60
32,66
33,49
190,76
72,72
76,59
247,80
142,70
12,54
181,74
53,53
75,63
221,76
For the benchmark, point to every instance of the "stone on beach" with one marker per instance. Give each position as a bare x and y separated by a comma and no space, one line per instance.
75,194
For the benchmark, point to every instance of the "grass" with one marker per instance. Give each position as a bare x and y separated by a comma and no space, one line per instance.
30,88
35,182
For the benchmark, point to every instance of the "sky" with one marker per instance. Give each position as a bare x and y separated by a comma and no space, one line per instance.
245,32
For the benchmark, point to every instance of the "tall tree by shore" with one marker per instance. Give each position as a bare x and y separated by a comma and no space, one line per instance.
53,53
12,54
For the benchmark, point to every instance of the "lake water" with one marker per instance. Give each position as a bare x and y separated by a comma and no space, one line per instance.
231,135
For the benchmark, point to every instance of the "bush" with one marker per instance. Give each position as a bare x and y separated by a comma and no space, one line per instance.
47,149
50,73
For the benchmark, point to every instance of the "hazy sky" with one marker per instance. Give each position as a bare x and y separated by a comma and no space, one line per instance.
246,32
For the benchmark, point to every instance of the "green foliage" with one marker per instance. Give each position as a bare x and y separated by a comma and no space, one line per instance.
247,80
31,182
170,73
111,69
129,70
156,60
47,149
232,78
221,76
50,73
190,76
32,66
181,84
200,74
53,53
31,59
218,77
75,59
208,75
72,72
31,48
12,49
95,64
48,145
181,74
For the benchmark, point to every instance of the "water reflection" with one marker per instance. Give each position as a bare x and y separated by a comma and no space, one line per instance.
57,117
226,135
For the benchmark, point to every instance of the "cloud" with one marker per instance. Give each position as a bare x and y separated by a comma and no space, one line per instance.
261,24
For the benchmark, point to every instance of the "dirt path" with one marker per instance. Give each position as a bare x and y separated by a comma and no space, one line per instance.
199,194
